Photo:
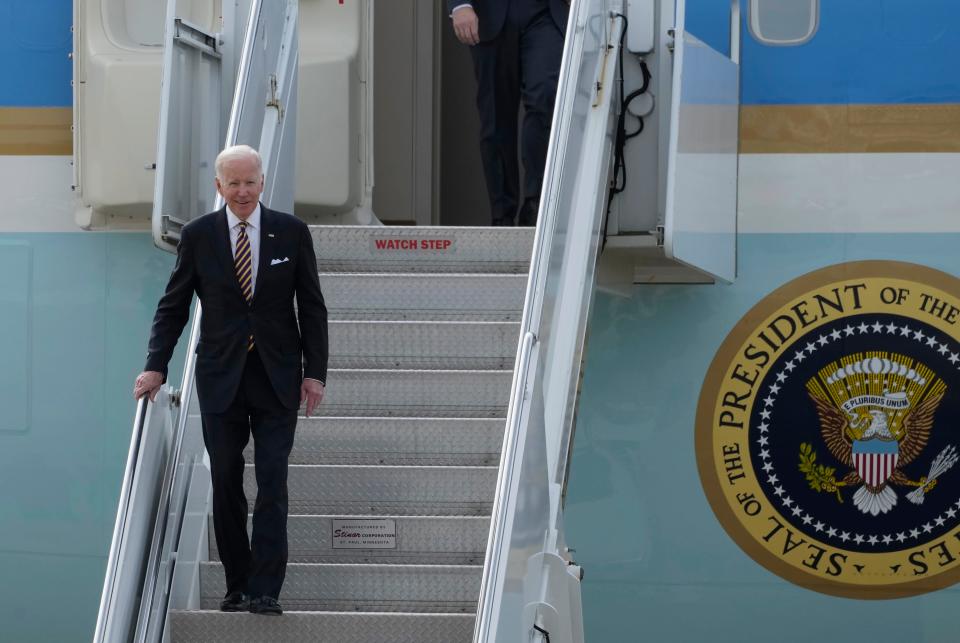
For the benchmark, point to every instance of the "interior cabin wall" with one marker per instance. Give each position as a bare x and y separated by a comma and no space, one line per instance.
426,128
403,116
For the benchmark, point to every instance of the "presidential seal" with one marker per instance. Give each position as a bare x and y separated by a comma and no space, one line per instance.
828,430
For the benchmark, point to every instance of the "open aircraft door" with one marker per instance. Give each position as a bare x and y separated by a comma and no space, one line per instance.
194,107
235,86
700,219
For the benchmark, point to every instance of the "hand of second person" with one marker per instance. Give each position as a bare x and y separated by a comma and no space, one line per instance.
466,25
311,391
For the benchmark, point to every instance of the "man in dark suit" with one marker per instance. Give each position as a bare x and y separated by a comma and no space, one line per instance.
254,366
516,47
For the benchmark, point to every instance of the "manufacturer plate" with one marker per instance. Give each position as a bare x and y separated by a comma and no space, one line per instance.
364,534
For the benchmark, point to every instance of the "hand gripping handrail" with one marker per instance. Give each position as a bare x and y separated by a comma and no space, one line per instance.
162,527
120,525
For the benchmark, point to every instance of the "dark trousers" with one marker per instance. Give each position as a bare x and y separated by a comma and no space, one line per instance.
521,63
258,565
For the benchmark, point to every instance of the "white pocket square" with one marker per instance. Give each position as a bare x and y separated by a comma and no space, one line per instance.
274,262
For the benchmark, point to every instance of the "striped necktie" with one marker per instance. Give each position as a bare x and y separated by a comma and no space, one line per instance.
244,269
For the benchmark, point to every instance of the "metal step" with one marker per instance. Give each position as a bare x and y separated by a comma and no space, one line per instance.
372,588
416,393
384,490
423,336
423,344
422,249
395,441
451,297
446,540
321,627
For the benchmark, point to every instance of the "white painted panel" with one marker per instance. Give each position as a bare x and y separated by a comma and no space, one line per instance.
640,32
850,193
37,195
116,110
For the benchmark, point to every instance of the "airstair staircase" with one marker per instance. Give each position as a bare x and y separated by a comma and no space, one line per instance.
426,497
423,344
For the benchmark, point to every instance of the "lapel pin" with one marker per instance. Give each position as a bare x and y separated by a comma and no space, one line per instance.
270,235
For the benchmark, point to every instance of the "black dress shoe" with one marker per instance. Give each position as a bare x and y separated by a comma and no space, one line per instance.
265,605
234,602
528,213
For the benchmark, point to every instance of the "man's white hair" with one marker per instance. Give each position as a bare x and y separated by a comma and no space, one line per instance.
236,153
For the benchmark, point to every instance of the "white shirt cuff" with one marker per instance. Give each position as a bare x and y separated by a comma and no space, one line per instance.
459,7
315,380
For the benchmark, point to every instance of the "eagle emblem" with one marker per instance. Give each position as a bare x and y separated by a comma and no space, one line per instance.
876,413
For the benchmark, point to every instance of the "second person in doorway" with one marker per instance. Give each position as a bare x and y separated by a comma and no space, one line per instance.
516,47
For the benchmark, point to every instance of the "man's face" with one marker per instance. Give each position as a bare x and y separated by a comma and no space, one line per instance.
241,186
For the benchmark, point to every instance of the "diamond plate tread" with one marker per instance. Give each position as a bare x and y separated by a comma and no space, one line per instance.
320,627
395,441
385,490
416,393
367,249
452,297
421,344
437,540
374,588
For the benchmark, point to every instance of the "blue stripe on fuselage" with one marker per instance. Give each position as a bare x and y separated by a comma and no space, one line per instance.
35,43
865,51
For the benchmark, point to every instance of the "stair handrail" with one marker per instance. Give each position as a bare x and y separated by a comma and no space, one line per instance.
494,552
120,524
158,542
526,542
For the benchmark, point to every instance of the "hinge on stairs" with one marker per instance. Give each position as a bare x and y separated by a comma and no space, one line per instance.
274,101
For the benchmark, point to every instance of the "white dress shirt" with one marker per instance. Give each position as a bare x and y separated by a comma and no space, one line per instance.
253,234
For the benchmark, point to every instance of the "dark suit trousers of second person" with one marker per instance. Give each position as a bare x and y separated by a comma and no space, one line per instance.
522,62
255,408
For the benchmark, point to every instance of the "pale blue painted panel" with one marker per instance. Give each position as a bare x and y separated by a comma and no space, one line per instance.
659,567
93,296
15,308
48,599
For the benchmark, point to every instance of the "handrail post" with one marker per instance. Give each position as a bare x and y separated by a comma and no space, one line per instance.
482,628
559,285
168,482
106,597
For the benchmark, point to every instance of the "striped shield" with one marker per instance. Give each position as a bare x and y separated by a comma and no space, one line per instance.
875,459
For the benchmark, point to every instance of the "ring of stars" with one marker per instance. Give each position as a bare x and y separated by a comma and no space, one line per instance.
789,506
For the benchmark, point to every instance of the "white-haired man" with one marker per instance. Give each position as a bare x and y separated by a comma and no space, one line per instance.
258,359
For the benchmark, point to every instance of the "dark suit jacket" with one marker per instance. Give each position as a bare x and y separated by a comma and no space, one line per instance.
492,13
205,266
